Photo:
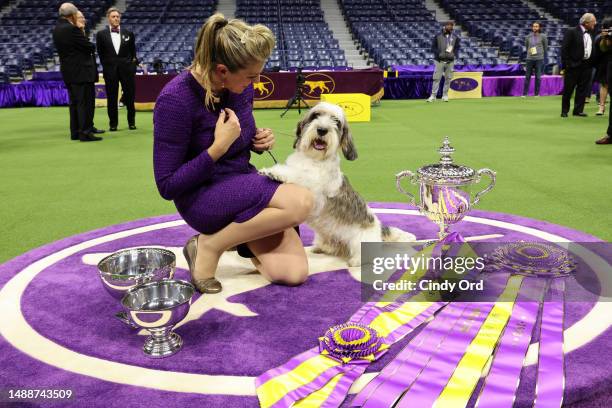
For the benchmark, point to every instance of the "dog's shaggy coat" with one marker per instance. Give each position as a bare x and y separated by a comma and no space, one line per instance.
340,217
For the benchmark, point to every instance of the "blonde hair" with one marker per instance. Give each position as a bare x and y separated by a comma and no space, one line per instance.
232,43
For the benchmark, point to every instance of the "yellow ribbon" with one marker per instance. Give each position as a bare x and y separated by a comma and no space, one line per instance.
276,388
318,397
385,323
460,386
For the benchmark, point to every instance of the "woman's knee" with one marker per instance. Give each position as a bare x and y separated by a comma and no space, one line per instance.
292,279
288,274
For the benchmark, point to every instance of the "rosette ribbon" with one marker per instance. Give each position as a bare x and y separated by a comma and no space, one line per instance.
441,366
322,376
457,340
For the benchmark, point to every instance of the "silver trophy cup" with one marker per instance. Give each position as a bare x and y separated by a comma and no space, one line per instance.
126,269
445,189
158,307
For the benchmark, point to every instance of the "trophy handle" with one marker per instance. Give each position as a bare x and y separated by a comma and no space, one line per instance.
491,175
398,179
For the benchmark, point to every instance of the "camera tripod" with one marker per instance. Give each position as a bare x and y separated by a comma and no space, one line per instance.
298,96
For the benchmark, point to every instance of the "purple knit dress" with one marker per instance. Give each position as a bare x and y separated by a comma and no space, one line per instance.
208,195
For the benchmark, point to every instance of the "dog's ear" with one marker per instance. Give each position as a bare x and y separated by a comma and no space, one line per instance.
346,142
298,131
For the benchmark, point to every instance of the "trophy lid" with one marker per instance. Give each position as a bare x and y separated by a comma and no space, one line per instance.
446,171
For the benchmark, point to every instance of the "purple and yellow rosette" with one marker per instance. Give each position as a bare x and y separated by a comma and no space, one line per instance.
322,376
352,343
532,259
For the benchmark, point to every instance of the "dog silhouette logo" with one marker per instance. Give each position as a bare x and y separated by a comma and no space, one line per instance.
317,83
264,88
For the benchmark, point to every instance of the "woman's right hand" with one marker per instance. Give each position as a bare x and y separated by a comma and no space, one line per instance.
227,130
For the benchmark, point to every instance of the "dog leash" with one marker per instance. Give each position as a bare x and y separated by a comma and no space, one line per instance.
270,153
272,156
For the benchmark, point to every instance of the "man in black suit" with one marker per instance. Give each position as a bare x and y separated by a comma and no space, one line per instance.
576,53
78,71
117,51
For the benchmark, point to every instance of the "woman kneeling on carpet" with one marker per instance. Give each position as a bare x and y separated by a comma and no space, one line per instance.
204,130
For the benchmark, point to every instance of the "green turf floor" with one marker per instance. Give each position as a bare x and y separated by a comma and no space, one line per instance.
547,167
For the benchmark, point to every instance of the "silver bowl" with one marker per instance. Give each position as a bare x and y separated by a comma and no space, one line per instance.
128,268
158,307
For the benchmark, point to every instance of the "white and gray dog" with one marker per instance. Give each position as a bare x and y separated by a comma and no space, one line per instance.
340,217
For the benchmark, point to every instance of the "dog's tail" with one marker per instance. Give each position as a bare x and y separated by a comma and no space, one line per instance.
392,234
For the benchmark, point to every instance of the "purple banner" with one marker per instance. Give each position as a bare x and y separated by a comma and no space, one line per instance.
419,86
276,88
487,70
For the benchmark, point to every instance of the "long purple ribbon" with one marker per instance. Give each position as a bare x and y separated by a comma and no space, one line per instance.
305,390
389,385
365,314
551,373
503,379
337,396
434,377
288,366
308,354
456,326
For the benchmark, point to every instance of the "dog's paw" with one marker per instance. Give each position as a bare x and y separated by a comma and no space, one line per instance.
271,174
317,250
354,261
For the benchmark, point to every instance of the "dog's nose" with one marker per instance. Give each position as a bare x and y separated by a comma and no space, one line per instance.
321,131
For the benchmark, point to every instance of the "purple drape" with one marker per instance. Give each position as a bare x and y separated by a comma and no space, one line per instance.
419,87
53,93
487,70
513,86
412,87
33,93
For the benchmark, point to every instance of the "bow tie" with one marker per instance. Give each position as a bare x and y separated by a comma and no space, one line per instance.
115,30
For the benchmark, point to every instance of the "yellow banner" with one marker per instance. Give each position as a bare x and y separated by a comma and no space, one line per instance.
465,85
356,105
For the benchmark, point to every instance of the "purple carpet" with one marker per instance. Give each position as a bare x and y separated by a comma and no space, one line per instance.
73,340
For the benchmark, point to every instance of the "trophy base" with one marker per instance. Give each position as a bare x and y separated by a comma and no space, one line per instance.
160,347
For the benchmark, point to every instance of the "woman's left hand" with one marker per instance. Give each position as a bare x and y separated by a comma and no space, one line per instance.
263,140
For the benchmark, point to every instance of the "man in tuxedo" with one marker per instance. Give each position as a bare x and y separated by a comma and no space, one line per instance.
576,53
117,52
82,25
78,71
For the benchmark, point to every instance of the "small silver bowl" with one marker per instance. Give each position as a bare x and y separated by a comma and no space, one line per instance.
128,268
158,307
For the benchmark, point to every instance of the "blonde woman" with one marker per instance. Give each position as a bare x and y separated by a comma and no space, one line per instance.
204,131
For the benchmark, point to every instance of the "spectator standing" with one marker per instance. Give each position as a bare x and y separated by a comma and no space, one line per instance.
605,46
78,70
601,75
576,53
445,49
536,45
117,51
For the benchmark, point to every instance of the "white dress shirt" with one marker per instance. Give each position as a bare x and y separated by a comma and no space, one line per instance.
588,43
116,38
